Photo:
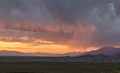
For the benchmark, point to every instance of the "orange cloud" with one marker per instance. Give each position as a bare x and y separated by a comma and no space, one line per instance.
33,37
42,48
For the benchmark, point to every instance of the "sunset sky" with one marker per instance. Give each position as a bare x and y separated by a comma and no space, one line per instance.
58,26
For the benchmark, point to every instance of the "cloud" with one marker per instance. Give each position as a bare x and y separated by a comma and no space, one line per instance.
90,23
107,24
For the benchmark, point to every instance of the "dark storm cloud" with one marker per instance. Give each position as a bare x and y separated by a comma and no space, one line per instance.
80,22
108,25
69,11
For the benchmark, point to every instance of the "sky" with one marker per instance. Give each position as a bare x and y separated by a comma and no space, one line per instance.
59,26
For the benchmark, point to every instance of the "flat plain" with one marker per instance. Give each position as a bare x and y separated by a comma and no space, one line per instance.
58,67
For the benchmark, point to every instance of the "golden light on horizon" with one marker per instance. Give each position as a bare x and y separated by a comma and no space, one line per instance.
41,48
29,37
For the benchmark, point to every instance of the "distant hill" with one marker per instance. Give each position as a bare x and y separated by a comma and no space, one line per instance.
11,53
103,55
108,51
15,53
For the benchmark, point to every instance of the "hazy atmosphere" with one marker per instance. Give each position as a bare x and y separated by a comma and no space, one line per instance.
59,26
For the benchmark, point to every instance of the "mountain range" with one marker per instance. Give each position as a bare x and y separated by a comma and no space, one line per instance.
108,51
104,54
15,53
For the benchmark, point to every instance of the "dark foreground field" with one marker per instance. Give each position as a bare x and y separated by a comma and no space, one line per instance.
57,67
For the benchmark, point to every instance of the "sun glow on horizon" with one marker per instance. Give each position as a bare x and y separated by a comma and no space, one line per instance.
41,48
